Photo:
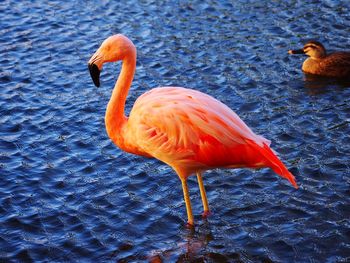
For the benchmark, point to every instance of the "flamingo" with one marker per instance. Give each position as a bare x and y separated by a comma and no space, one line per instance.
190,131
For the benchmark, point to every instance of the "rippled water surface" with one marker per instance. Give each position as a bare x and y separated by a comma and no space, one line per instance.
67,194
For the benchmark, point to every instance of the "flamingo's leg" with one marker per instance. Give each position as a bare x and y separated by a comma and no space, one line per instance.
188,202
203,194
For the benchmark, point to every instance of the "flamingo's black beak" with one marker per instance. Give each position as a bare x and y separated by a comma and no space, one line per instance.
297,51
95,74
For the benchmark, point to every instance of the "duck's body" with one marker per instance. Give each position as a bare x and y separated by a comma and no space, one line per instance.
336,64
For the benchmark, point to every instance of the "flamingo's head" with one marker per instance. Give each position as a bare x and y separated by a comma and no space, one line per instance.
313,49
114,48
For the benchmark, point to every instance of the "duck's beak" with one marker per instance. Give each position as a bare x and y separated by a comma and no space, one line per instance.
95,74
297,51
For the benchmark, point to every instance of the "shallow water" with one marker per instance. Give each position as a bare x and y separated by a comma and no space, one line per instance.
68,194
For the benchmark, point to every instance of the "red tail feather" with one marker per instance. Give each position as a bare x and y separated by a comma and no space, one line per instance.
274,162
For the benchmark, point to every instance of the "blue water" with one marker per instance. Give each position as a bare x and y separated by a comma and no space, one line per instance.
67,194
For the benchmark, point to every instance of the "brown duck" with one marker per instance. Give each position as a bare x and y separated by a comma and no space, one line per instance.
335,64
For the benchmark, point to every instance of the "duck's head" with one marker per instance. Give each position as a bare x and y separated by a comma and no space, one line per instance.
313,49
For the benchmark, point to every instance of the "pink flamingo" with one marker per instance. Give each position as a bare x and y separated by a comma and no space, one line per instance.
190,131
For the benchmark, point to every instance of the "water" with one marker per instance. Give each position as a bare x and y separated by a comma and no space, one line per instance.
68,194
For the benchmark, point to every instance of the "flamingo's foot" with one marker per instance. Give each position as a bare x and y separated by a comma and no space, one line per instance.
206,214
190,225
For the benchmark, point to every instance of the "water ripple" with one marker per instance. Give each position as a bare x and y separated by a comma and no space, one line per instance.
68,194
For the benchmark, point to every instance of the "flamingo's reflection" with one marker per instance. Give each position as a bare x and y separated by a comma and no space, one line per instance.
191,249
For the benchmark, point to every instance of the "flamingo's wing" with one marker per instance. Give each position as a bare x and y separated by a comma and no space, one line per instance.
176,123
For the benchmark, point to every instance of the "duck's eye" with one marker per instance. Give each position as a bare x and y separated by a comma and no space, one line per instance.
309,48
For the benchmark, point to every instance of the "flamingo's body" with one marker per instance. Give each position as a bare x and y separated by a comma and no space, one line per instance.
186,129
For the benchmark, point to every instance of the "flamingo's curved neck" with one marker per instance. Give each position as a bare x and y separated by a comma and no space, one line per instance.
115,117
